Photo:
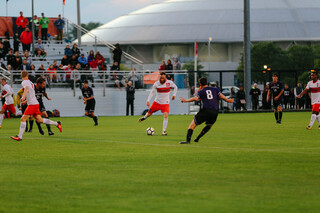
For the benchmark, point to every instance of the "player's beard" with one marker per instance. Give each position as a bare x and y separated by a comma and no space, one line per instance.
162,80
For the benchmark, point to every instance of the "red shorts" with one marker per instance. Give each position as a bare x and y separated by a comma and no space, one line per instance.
155,107
315,107
32,110
10,108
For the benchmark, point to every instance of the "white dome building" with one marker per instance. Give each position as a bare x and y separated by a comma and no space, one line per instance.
168,29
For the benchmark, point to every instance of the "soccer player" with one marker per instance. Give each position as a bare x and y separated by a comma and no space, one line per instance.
40,91
277,89
90,102
210,110
33,107
161,102
7,93
23,107
314,87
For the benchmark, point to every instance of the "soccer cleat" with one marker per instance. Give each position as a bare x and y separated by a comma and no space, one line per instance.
141,119
16,138
30,130
59,126
41,132
308,127
0,126
50,133
96,124
196,140
184,142
278,121
164,133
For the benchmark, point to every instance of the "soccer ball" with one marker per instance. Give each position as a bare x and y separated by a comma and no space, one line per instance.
150,131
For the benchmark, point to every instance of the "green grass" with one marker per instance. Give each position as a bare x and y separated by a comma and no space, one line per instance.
246,163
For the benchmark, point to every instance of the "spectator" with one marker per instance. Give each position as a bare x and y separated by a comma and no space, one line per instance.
130,97
65,60
68,51
38,47
169,68
292,99
99,59
286,96
52,73
83,61
61,73
75,78
18,56
241,98
17,64
2,52
67,75
233,95
115,67
16,42
255,93
299,101
32,73
36,26
11,58
44,22
176,65
117,52
162,66
6,45
265,105
40,72
59,23
25,65
26,57
91,59
74,60
134,77
21,23
26,39
75,50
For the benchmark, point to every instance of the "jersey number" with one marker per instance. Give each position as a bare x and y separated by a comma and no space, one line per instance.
209,95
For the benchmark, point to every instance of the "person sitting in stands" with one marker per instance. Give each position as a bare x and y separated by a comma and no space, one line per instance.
65,60
99,58
83,61
91,60
68,51
75,50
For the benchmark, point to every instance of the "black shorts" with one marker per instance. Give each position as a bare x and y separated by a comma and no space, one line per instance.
41,107
206,115
23,108
277,103
90,106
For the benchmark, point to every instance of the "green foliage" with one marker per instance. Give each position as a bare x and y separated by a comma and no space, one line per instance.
190,67
301,58
89,26
124,68
304,77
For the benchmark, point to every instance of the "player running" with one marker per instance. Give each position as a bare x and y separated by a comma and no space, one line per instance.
40,91
210,110
7,93
33,107
277,89
23,107
314,87
88,99
161,102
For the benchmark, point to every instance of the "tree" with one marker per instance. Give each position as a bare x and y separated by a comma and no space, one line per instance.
190,67
89,26
301,58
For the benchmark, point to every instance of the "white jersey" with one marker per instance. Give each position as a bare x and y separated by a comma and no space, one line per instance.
7,93
314,88
163,91
31,96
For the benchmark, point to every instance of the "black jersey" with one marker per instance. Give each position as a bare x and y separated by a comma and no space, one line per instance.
276,88
87,93
40,93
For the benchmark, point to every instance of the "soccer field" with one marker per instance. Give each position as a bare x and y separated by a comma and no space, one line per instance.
246,163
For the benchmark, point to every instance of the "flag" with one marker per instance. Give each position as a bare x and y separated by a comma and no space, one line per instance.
196,49
63,1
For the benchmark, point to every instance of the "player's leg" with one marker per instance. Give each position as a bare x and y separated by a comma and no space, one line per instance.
211,119
95,118
45,115
48,121
191,127
154,107
280,113
22,129
2,115
165,123
31,121
132,107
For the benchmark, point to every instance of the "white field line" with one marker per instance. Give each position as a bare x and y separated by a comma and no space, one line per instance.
184,146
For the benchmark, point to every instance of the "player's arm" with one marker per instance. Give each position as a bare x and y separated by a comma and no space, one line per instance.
268,96
189,100
278,96
7,93
303,93
151,94
175,89
24,95
87,99
230,100
46,95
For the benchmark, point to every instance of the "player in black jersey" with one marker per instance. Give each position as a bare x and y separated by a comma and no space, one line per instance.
276,89
90,102
40,91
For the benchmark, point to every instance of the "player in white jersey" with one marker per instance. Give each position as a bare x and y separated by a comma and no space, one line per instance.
313,87
7,93
162,100
33,107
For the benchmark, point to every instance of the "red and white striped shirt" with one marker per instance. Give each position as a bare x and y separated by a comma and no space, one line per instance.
163,91
314,88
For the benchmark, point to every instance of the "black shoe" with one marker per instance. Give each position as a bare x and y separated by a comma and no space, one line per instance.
96,124
184,142
50,133
26,130
141,119
41,132
278,121
30,130
196,140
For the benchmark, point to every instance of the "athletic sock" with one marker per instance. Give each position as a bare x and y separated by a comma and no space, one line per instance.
276,115
90,116
23,126
280,115
48,127
1,118
189,134
204,131
50,122
165,124
312,120
318,119
30,124
95,119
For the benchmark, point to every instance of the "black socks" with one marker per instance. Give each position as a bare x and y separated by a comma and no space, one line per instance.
189,134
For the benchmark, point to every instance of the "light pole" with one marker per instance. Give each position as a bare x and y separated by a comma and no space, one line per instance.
209,55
